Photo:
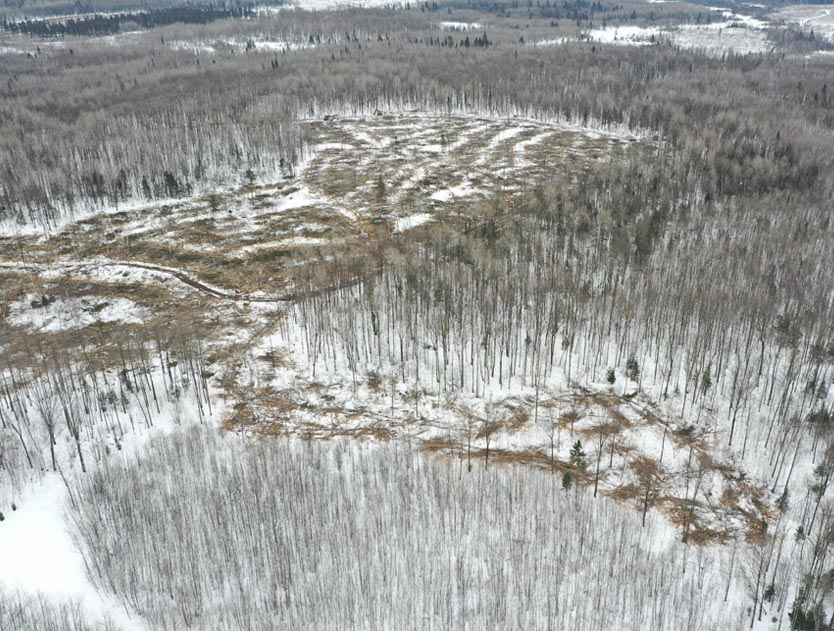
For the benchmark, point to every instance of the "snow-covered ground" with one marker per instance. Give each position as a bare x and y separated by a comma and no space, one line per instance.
627,35
460,26
392,526
532,422
412,221
734,33
60,313
9,50
739,34
359,165
39,556
258,44
716,39
326,5
818,18
448,194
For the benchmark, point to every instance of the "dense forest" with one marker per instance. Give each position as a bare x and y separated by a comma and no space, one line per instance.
153,147
113,23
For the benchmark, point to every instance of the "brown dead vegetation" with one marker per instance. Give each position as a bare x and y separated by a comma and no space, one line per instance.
640,482
600,417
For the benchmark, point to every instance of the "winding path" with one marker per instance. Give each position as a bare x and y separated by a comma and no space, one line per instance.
180,275
183,277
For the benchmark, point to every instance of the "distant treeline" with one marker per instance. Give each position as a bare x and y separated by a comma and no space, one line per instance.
109,24
566,9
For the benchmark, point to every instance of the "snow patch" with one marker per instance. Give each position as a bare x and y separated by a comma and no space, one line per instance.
51,314
299,199
553,42
407,223
810,17
460,26
39,555
448,194
329,5
260,44
740,34
628,35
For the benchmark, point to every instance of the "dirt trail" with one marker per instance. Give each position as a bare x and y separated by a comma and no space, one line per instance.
180,275
183,277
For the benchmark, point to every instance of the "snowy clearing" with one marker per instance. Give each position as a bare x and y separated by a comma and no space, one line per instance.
818,18
741,35
460,26
329,5
56,313
407,223
39,555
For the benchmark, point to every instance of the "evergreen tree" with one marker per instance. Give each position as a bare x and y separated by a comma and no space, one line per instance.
632,369
172,186
379,189
806,620
706,381
214,202
577,456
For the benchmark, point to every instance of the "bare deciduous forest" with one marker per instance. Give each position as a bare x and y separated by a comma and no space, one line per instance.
421,316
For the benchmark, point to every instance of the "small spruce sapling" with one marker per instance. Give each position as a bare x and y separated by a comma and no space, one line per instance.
577,456
380,189
214,202
706,381
632,369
